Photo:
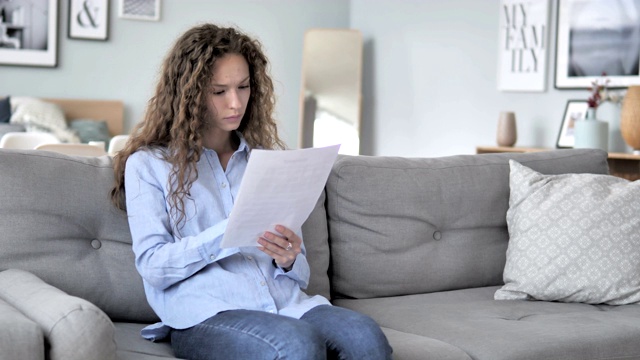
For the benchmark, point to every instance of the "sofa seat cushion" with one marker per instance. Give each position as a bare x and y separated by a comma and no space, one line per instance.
417,347
20,337
132,346
489,329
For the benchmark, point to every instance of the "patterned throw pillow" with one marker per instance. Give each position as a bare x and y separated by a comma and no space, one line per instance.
42,116
573,238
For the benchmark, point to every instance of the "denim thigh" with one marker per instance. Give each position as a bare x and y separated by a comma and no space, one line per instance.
247,334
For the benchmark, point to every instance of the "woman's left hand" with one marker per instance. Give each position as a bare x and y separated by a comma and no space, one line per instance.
282,247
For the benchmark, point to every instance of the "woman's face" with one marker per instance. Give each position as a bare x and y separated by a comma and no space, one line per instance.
228,93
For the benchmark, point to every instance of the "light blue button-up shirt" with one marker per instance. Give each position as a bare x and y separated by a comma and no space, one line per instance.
187,277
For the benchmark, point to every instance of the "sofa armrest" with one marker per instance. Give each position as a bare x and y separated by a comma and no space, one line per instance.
73,327
20,337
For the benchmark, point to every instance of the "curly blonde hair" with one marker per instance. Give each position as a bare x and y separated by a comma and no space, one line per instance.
176,115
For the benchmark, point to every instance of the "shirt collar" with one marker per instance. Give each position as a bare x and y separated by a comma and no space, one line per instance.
243,147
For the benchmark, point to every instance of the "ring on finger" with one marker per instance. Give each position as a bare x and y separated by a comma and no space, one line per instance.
289,247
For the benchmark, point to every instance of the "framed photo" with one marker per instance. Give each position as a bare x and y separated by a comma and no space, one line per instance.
139,9
596,37
523,39
29,33
575,110
89,19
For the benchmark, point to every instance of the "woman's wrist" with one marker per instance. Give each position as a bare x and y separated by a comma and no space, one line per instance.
285,269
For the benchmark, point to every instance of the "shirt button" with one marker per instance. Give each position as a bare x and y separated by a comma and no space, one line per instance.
250,257
272,311
223,185
262,283
212,257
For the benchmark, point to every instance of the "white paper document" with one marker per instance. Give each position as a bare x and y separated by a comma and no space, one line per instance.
279,187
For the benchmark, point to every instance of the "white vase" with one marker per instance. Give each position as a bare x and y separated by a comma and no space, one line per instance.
591,133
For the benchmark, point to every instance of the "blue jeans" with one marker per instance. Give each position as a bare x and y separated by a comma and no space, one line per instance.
323,332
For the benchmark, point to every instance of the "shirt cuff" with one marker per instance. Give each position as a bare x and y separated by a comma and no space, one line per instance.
210,249
298,272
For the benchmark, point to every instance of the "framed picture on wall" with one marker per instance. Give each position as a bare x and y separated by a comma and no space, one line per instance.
596,37
139,9
574,111
89,19
523,41
29,33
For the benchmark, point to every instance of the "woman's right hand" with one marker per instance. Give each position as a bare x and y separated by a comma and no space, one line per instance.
283,247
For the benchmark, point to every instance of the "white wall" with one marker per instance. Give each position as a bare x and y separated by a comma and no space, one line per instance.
125,66
430,79
430,68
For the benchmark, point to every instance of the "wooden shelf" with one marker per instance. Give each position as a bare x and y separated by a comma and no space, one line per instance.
623,165
503,149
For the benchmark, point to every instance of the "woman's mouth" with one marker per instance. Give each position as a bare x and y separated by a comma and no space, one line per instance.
233,118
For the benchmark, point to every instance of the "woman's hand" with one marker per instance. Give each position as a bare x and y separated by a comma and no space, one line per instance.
282,247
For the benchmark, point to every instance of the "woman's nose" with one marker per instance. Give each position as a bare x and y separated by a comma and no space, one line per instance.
234,100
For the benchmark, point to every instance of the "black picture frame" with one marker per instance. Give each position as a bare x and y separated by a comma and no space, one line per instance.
589,46
40,47
574,110
88,20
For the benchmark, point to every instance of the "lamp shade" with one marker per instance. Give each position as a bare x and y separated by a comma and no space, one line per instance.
630,118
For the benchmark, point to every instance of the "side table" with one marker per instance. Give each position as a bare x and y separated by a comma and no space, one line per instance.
626,166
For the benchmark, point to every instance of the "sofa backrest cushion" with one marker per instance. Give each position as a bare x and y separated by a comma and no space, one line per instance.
58,223
316,241
402,226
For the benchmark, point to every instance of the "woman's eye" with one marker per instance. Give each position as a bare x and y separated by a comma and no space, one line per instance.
245,87
218,92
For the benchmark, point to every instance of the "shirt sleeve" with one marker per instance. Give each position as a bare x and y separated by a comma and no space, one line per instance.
300,272
161,258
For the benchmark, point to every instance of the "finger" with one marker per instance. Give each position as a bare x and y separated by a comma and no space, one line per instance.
276,244
281,260
287,233
278,248
279,240
291,236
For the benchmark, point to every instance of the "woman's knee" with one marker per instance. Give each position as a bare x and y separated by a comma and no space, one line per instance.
373,343
350,333
303,342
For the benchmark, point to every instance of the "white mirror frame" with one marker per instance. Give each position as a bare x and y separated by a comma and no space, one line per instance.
331,91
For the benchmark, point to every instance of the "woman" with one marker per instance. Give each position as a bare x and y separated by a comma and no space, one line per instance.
177,179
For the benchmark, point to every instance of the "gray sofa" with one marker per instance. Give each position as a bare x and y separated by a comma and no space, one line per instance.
418,244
